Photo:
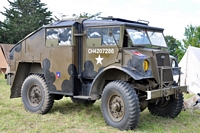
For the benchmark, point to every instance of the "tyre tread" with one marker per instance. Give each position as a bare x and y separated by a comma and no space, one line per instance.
172,111
48,100
133,104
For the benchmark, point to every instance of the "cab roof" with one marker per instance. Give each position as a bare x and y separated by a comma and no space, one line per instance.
104,22
96,23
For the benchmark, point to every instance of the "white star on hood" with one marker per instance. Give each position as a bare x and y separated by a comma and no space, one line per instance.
99,60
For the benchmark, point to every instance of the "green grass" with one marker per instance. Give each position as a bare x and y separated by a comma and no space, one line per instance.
66,117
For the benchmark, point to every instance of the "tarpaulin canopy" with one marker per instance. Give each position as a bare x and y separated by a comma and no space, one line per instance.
4,53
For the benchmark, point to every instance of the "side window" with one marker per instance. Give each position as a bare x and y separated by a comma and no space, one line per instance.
58,36
94,33
103,36
110,36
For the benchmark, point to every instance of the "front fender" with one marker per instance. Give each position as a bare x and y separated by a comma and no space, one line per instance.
113,73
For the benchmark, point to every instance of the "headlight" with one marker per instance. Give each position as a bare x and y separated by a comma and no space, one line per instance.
145,65
173,63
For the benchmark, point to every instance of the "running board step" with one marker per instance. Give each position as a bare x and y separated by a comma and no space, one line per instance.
82,97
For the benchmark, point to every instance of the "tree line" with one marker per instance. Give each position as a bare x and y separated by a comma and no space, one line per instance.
25,16
178,48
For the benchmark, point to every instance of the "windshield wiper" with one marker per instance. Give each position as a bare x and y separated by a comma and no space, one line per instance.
119,50
152,33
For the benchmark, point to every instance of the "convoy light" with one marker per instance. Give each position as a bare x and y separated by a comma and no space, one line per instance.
145,65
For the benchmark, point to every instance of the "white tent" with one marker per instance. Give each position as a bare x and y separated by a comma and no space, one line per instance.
190,67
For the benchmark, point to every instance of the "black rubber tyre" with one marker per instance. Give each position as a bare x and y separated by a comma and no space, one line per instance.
83,101
167,108
35,95
120,105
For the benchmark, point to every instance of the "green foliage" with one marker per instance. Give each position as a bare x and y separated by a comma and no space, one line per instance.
180,51
175,47
172,44
192,34
87,15
192,38
22,18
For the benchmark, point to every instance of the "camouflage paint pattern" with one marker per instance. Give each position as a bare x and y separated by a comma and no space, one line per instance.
78,61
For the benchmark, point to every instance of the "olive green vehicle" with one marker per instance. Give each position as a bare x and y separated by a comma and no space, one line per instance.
124,63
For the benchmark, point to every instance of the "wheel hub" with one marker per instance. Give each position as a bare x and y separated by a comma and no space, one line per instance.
35,95
116,107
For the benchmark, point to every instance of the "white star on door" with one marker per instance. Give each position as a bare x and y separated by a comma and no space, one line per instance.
99,60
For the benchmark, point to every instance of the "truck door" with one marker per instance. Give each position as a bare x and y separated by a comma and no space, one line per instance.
101,49
59,59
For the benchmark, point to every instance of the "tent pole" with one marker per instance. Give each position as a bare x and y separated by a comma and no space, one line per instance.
186,64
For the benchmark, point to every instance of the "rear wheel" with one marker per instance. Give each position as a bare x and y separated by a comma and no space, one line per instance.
167,108
120,105
35,95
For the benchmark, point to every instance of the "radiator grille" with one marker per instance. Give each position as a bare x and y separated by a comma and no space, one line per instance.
163,59
167,75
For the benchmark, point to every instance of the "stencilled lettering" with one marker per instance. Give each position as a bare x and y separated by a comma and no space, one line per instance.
101,51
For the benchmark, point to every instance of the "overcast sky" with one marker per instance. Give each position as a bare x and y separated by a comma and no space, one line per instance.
172,15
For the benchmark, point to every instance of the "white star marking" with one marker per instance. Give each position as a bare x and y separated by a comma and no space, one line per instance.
99,60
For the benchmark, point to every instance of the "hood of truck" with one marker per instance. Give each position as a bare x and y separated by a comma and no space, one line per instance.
136,60
147,62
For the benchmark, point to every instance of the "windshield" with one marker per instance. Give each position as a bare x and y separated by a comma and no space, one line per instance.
138,37
157,38
141,37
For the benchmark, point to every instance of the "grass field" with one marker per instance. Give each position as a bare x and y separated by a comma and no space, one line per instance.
66,117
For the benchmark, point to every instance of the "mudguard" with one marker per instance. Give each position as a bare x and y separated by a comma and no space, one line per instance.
98,84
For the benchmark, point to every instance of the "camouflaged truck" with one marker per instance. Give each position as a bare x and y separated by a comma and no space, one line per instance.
124,63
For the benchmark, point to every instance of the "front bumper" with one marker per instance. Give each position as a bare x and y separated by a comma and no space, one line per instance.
164,92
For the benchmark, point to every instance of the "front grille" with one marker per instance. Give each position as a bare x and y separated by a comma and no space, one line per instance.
163,62
163,59
166,75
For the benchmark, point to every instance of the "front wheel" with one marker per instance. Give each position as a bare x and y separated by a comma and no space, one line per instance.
167,108
35,95
120,105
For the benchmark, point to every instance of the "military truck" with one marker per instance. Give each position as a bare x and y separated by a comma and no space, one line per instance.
124,63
